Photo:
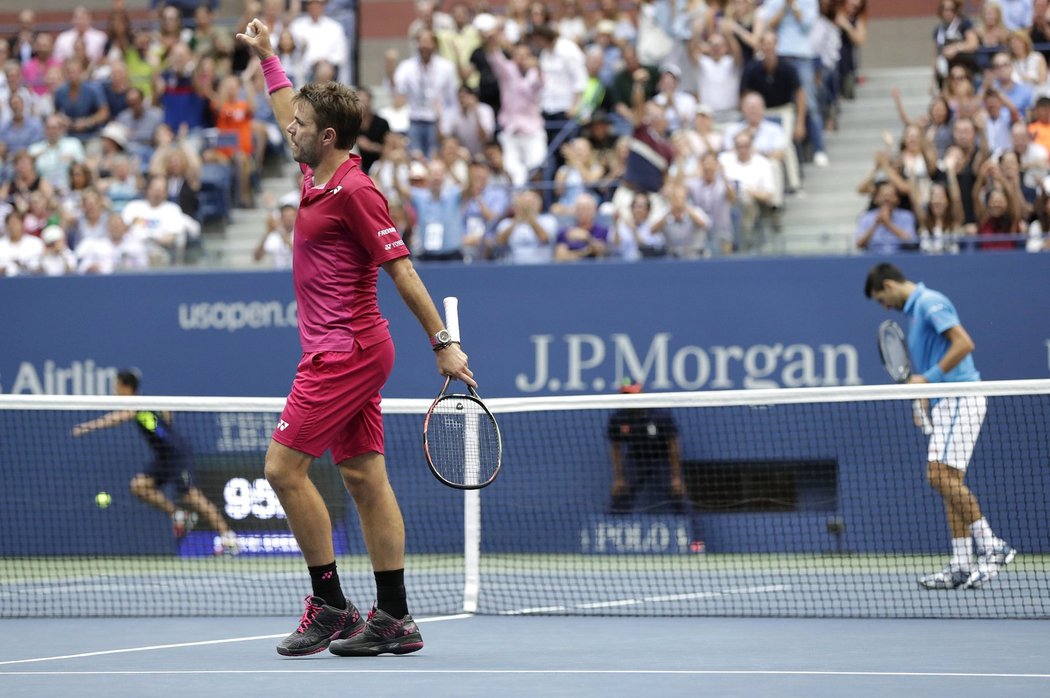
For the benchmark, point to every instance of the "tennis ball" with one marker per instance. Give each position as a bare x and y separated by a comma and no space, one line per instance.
103,500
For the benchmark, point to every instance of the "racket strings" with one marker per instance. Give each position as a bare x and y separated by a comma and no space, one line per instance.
463,441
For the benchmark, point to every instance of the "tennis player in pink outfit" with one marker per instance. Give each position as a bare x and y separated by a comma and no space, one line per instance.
343,236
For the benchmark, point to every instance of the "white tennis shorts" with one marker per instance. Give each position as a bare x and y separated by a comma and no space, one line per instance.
956,425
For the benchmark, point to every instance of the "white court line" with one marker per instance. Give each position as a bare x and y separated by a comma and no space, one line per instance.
200,643
667,672
648,599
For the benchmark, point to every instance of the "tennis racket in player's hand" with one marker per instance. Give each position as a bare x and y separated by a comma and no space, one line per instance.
893,350
461,440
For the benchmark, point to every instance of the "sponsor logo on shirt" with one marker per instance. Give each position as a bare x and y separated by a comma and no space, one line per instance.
386,231
392,245
336,190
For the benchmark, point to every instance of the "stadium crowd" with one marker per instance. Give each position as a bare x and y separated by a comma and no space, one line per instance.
972,171
528,133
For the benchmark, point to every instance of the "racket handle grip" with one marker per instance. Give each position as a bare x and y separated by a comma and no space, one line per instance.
452,317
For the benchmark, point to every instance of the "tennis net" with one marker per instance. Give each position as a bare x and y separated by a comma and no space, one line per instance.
797,502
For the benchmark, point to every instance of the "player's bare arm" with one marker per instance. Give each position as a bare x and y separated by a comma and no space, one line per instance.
257,36
451,360
962,345
110,419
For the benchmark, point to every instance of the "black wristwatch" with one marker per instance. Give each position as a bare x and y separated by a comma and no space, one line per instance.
441,340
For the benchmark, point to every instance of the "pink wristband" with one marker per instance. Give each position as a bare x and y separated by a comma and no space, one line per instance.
274,74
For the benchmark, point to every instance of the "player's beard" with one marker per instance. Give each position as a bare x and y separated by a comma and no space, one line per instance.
307,152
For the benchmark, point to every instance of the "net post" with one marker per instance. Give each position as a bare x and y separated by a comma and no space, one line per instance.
471,549
471,499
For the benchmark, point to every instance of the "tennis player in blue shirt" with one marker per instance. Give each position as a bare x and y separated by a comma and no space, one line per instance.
942,351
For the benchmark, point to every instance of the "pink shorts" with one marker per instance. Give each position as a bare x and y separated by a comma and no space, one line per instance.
334,403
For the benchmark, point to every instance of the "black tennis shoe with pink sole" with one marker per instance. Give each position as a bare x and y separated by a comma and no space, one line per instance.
383,634
319,626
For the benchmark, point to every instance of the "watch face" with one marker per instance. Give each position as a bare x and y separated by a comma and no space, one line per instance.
443,337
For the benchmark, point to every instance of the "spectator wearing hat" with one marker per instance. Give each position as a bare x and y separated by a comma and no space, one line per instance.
645,456
478,74
679,106
57,259
113,142
612,55
471,122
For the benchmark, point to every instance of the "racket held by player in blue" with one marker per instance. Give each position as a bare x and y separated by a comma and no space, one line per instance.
893,350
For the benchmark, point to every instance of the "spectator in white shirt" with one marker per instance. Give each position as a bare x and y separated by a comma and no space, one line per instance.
19,253
57,259
321,38
120,250
679,106
768,138
429,83
719,74
751,175
276,242
159,221
563,68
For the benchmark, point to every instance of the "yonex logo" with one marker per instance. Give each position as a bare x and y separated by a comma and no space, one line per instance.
281,424
336,190
392,245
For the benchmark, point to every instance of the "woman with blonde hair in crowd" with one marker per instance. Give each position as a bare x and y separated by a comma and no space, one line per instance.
992,31
1029,65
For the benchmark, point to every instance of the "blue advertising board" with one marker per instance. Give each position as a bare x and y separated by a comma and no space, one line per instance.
548,330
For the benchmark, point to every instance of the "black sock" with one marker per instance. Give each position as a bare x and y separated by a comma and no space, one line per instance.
390,593
325,581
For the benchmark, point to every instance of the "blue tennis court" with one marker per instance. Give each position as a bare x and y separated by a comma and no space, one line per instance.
527,656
